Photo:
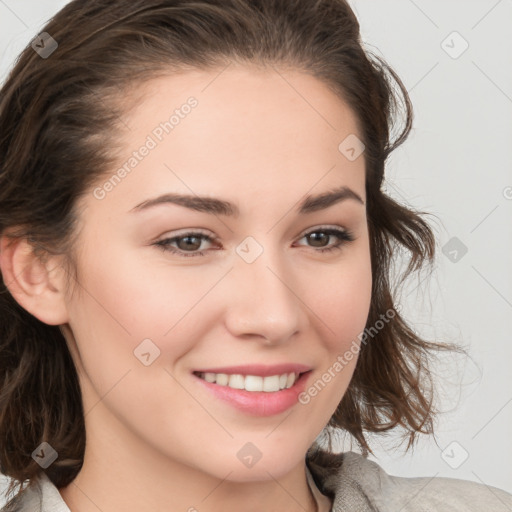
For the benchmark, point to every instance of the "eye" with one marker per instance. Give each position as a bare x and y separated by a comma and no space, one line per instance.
187,244
343,236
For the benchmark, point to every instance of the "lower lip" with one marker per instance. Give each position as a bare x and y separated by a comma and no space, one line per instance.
259,403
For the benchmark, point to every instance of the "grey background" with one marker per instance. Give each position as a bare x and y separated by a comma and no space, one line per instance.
456,165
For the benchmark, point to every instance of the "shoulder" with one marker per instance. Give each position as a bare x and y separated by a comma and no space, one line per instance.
361,484
40,496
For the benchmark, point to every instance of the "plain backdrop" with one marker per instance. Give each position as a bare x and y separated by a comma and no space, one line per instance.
454,59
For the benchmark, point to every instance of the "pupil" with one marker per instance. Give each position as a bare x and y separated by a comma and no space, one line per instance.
188,245
316,236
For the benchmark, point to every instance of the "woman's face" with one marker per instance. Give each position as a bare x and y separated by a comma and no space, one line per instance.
247,285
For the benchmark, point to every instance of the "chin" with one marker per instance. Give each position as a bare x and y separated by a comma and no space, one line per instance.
260,460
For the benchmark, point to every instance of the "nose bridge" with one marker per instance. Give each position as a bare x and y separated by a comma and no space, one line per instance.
262,301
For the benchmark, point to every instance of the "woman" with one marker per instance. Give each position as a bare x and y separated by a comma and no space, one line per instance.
195,257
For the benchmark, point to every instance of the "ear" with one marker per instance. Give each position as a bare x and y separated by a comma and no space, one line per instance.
37,286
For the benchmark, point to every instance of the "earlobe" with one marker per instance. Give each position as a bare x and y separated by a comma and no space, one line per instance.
37,286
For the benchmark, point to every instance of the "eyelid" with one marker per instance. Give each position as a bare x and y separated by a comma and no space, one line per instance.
322,227
181,233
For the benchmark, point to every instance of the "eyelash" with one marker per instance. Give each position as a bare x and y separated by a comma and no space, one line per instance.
344,236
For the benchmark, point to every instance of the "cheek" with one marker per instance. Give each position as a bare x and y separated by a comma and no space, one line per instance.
341,308
122,306
340,297
125,301
138,299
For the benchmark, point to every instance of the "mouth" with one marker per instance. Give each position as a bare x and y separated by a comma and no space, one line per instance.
258,395
252,383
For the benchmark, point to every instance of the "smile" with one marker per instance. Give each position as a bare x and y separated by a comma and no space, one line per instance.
256,395
269,384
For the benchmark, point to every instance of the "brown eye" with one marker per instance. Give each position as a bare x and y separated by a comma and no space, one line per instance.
319,238
184,245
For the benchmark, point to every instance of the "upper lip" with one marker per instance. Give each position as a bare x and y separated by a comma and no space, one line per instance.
262,370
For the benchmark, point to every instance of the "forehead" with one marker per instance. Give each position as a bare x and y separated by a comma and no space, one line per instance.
236,92
257,131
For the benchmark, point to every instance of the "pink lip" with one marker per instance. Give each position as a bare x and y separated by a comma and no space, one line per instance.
261,370
258,403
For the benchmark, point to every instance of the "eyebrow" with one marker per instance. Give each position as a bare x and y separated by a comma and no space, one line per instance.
217,206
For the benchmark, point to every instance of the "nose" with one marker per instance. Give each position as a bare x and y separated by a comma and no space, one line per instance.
264,300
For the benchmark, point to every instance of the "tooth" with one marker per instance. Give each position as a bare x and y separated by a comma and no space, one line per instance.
290,381
236,381
209,377
254,383
271,383
222,379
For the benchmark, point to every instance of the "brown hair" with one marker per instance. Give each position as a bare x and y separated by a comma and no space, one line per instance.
58,119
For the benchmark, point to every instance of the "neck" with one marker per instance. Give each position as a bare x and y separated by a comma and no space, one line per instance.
121,472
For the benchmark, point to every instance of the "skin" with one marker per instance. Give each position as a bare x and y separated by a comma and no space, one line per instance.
156,440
